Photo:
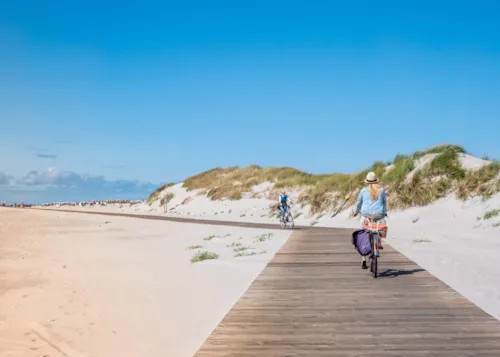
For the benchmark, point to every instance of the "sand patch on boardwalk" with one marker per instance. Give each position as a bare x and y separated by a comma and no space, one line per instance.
78,285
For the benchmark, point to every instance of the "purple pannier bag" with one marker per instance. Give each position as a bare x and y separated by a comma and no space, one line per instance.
361,240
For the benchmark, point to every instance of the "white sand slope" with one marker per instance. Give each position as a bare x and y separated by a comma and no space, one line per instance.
453,241
80,285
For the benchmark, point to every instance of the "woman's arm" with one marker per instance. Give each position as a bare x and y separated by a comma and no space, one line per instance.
384,201
359,203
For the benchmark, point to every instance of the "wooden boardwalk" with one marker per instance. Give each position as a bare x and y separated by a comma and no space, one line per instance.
313,299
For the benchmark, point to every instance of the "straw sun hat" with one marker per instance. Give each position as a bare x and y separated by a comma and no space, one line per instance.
371,178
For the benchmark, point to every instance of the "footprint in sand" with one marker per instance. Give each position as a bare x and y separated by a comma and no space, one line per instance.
21,340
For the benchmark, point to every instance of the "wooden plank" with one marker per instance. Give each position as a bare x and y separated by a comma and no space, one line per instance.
313,299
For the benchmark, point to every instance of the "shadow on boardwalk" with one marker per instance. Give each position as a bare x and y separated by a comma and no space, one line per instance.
392,273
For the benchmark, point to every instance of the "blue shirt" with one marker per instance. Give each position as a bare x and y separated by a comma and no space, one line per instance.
366,205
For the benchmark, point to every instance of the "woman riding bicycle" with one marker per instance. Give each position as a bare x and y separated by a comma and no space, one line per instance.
371,203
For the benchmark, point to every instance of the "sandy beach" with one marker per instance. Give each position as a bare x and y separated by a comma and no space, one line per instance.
80,285
450,238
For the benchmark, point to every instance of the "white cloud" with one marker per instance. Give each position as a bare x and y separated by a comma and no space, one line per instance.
52,176
55,184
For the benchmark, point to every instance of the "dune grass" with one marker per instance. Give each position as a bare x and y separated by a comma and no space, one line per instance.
479,182
191,247
402,166
241,249
264,237
439,149
440,177
154,196
201,256
245,254
491,214
168,198
422,240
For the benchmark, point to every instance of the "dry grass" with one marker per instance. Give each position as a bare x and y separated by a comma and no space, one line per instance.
191,247
168,198
479,182
232,182
437,179
154,196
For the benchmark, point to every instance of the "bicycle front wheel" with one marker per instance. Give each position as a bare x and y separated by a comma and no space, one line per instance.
290,220
282,222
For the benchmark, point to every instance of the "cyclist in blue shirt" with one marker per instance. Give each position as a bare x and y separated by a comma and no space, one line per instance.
283,203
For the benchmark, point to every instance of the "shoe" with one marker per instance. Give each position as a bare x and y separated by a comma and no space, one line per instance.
363,265
380,246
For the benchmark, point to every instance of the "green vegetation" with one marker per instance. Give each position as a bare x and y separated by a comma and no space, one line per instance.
245,254
492,213
168,198
154,196
209,237
439,149
479,182
241,249
191,247
264,237
201,256
446,163
424,240
442,175
402,166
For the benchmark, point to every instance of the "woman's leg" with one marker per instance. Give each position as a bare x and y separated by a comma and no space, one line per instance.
363,258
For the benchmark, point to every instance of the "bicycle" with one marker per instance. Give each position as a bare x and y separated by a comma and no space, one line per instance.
288,219
374,242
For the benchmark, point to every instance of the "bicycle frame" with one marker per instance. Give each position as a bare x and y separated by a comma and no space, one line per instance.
374,241
285,214
375,238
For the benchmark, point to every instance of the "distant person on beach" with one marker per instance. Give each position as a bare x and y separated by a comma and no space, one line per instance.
283,203
371,203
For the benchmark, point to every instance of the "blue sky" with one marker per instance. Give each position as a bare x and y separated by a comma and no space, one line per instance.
150,92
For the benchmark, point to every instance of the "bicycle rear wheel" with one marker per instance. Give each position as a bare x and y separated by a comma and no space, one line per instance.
282,220
374,266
